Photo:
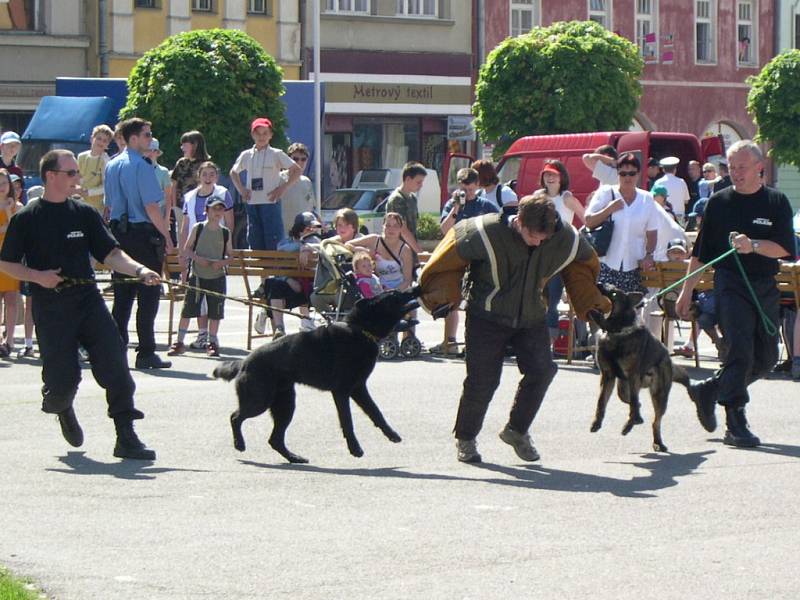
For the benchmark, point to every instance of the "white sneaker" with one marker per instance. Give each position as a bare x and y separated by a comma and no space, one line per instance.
199,342
261,321
307,324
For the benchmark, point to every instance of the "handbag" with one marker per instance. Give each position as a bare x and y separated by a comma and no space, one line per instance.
599,237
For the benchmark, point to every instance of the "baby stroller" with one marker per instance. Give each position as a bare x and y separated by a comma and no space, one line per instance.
335,292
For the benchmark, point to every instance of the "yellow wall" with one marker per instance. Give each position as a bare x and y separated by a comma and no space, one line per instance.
264,31
149,29
5,18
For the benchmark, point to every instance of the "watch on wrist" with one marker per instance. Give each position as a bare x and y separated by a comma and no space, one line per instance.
139,270
756,245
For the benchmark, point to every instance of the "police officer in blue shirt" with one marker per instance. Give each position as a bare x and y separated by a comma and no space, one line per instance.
132,195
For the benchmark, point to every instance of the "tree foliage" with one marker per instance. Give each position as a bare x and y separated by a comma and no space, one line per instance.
570,77
774,103
212,80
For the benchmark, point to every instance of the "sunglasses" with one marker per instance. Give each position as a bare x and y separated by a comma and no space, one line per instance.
69,173
627,173
299,158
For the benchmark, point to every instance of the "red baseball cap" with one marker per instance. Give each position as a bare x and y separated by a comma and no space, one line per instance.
260,122
550,169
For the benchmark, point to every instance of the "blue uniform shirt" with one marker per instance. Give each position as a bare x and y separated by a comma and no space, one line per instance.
473,208
130,183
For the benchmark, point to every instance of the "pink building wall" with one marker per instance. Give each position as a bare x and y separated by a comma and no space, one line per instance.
681,96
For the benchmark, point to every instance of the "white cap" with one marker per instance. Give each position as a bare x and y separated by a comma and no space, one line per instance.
669,161
154,145
10,137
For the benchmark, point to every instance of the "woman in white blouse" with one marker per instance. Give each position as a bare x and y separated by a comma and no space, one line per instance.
636,221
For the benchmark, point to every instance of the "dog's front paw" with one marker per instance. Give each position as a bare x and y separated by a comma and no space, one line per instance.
596,425
356,450
393,437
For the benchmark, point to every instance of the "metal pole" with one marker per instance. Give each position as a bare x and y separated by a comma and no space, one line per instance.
317,113
102,37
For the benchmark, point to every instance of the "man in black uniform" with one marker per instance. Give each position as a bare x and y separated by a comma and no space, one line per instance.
132,194
758,220
48,241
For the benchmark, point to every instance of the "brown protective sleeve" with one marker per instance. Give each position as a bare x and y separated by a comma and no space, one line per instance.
440,278
580,280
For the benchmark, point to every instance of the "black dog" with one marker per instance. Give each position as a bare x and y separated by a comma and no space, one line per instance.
338,357
628,352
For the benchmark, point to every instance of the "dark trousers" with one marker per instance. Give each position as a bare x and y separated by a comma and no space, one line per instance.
80,316
486,343
753,352
146,246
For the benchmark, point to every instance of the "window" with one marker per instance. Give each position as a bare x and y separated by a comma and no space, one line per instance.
600,12
747,43
524,16
348,6
417,8
203,5
257,7
705,19
647,29
146,4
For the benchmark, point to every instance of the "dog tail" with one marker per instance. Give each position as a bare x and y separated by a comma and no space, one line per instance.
680,375
228,370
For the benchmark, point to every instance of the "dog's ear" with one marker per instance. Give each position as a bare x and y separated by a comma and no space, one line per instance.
636,299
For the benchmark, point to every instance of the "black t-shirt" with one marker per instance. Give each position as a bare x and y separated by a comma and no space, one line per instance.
57,235
764,215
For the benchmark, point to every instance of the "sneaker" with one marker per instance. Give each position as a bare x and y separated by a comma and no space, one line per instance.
784,366
468,451
212,349
278,333
261,322
199,342
796,368
307,324
26,352
684,351
176,349
70,428
521,442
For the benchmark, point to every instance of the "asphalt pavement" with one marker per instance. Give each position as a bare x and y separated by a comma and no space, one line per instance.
600,515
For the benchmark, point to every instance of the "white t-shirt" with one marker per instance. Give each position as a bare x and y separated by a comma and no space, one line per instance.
678,192
263,171
628,242
605,174
507,196
296,199
564,211
668,230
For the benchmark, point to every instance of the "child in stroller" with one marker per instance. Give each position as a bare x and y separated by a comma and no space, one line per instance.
336,289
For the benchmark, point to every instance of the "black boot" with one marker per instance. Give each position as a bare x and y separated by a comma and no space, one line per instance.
70,428
738,433
704,395
128,443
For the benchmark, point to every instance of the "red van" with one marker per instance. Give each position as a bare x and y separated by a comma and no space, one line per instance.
524,159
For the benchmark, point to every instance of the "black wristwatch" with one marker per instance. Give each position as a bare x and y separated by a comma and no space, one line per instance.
139,270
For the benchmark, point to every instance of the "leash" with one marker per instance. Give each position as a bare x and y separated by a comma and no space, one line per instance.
68,282
769,326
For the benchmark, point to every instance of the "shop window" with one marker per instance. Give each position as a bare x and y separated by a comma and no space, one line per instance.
337,168
600,12
746,31
705,20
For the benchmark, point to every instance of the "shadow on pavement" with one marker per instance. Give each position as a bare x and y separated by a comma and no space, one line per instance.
664,471
79,464
767,448
175,374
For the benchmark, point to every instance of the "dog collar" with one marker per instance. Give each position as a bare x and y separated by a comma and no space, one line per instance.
367,334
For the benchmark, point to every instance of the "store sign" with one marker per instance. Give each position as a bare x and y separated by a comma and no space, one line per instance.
396,93
460,128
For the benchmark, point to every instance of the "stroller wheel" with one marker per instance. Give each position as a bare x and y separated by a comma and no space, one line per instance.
388,348
410,347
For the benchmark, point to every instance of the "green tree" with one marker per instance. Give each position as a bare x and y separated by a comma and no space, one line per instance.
774,103
212,80
570,77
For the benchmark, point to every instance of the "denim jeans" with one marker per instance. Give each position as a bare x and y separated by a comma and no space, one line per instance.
486,342
264,226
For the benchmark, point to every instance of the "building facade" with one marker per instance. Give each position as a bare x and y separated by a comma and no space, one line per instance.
788,177
698,53
44,39
395,72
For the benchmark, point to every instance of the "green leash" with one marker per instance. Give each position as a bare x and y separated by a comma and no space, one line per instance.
769,326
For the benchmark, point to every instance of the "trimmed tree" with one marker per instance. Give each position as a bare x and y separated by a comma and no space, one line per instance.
570,77
212,80
774,103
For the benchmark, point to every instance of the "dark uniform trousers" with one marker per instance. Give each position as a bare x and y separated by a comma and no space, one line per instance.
486,343
80,316
145,244
752,352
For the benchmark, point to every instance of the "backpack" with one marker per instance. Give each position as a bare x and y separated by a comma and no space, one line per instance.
225,236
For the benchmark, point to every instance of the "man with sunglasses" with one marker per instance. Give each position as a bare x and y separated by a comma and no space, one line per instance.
298,197
48,243
133,196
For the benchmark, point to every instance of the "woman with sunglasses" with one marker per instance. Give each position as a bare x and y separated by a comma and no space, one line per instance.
299,197
635,233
